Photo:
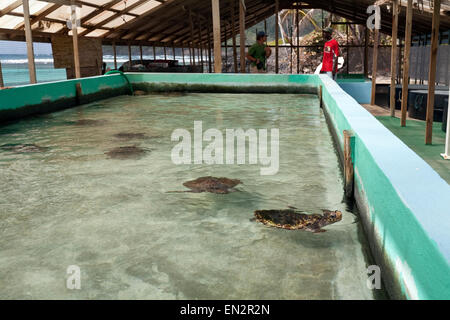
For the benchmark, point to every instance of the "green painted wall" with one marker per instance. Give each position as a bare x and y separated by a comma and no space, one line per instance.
27,100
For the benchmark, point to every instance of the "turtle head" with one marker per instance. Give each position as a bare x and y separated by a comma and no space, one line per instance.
330,217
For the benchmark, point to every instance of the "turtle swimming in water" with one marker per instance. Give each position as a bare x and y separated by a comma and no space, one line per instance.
292,219
89,122
129,152
211,184
23,148
129,135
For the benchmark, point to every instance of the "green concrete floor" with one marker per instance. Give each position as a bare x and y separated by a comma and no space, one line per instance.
413,135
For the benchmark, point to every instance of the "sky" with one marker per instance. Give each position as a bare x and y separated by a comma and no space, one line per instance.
20,47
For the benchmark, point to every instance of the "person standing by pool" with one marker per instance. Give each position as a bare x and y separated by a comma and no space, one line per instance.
259,53
330,54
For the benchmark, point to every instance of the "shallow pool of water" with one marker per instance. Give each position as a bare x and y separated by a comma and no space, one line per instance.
72,204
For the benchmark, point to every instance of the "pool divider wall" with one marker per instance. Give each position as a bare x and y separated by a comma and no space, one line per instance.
219,83
402,200
19,102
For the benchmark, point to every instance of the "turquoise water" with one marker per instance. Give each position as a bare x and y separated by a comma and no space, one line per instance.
15,67
18,74
73,205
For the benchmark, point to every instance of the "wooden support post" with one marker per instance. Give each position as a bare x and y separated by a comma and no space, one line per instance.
165,53
209,47
400,60
321,96
394,55
76,52
2,83
277,8
233,29
291,35
201,42
298,39
405,82
191,24
366,53
217,37
201,55
374,65
198,54
182,53
242,34
115,55
129,54
173,51
349,173
432,72
154,52
29,39
226,49
265,27
78,93
140,52
348,48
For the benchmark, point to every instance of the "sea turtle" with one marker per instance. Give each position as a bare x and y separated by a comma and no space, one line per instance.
293,219
89,122
23,148
129,136
211,184
139,93
128,152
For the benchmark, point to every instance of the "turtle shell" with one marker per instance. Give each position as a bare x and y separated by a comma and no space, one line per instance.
212,184
297,220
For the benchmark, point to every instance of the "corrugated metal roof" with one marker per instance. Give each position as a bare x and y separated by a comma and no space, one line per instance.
169,21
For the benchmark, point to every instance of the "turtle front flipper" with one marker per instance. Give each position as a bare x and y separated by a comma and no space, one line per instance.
315,228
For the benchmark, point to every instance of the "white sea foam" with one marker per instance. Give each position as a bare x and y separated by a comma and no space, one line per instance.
22,61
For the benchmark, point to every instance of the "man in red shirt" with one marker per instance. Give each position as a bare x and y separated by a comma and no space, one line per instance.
330,53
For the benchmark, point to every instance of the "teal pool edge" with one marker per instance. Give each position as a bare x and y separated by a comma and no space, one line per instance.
22,101
402,200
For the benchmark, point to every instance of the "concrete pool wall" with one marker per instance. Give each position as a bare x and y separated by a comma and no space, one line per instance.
404,203
19,102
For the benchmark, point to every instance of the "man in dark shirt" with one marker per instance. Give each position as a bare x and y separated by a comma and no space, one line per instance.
259,53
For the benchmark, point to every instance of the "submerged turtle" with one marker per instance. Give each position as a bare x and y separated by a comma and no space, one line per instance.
211,184
129,136
129,152
139,93
23,148
292,219
89,122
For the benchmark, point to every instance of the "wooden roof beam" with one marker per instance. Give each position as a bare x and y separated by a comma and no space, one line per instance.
157,22
143,17
114,16
64,2
41,15
11,7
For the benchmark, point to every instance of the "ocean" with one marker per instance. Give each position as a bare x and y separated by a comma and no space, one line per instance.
15,67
